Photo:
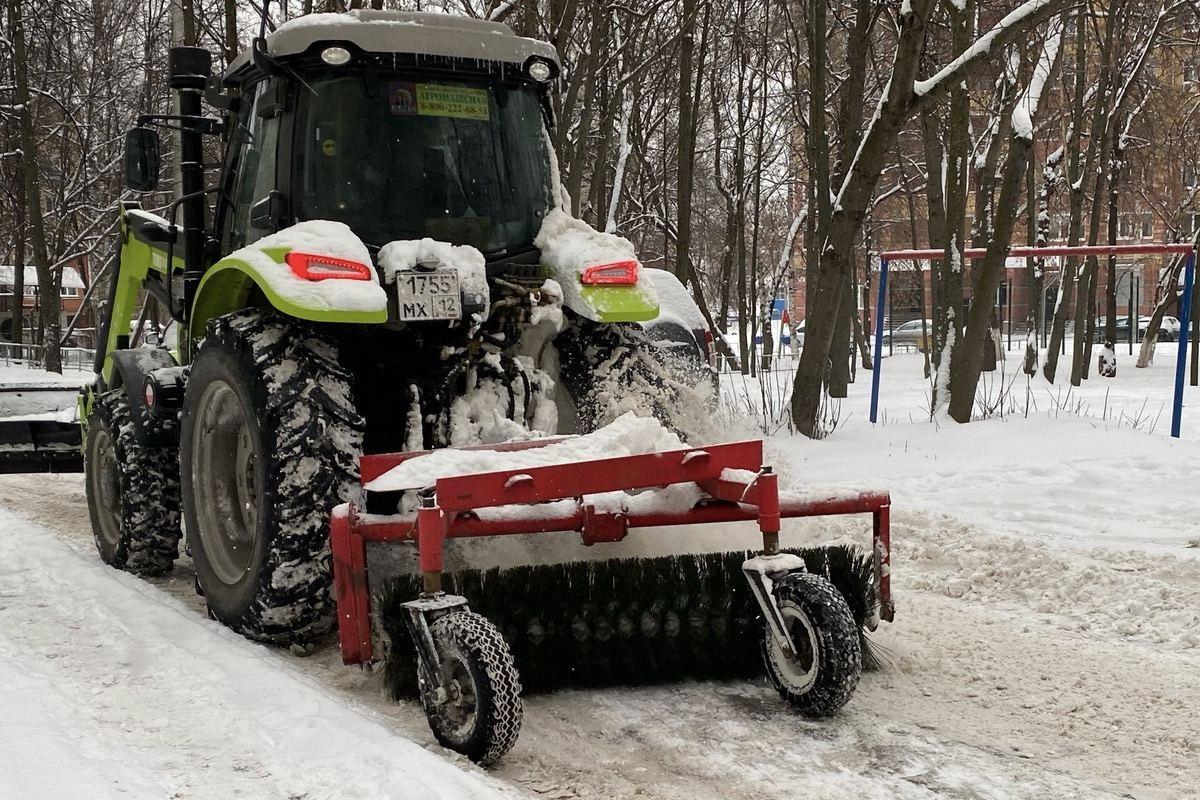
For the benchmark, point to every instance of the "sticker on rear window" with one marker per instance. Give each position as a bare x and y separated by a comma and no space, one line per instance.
437,100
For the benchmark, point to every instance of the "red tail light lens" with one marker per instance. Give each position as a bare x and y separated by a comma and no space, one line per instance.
709,355
313,267
618,273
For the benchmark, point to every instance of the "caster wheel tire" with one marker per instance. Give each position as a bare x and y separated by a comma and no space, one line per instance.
822,675
481,715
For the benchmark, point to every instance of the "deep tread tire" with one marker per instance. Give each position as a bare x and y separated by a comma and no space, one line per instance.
493,728
297,400
838,657
147,513
609,369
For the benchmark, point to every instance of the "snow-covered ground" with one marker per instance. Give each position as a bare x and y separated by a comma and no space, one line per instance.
15,374
1047,642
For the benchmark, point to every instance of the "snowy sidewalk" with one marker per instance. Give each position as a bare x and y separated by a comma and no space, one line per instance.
111,688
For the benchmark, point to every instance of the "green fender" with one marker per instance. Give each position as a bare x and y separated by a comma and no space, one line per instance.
227,285
606,304
137,259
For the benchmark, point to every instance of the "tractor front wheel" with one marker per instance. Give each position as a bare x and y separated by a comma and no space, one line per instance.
132,491
269,443
821,676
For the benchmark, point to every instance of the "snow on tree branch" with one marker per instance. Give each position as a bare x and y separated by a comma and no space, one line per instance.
1026,108
1028,13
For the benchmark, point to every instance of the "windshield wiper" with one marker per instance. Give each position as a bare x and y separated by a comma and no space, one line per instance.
506,253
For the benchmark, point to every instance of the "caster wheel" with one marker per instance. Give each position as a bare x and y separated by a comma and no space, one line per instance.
822,675
480,714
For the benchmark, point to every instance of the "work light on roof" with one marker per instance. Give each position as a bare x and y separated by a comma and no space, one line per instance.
335,56
539,69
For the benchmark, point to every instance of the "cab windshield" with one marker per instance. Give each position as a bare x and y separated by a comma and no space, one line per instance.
455,161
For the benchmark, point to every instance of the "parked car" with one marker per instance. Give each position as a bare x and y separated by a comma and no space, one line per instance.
909,335
1168,329
1122,332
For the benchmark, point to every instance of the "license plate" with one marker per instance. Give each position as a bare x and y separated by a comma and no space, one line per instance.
428,295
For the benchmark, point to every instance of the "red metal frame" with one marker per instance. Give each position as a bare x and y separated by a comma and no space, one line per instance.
1049,250
453,514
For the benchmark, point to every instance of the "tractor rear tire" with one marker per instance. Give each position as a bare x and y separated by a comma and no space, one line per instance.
482,716
608,369
823,674
269,444
132,491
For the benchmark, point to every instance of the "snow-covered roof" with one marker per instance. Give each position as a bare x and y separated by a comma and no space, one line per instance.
416,32
70,277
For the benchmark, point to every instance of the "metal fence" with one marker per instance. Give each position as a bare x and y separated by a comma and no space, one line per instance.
79,359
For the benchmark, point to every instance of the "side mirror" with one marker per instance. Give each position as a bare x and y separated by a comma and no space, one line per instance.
141,159
270,213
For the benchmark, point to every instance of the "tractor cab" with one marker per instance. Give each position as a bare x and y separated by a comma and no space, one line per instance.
402,125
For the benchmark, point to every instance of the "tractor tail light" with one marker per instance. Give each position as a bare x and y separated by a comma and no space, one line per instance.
313,267
616,273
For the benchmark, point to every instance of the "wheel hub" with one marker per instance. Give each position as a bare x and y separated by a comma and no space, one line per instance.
106,486
460,705
225,465
800,669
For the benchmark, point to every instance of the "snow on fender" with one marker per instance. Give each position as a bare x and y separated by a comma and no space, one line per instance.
569,246
264,262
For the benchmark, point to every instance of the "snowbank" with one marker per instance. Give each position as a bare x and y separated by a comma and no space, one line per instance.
113,689
675,302
323,237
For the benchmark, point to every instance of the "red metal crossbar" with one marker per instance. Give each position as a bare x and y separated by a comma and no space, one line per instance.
451,513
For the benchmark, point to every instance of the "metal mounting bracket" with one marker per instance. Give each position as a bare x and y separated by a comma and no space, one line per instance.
761,573
421,612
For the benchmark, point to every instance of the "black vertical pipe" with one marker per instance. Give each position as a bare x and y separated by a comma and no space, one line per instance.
1008,293
1133,321
189,70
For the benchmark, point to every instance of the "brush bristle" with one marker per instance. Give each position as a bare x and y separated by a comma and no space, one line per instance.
622,622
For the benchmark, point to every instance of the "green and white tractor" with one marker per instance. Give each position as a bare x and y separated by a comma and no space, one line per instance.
381,262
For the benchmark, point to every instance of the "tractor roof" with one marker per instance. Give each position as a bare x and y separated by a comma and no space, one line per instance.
403,32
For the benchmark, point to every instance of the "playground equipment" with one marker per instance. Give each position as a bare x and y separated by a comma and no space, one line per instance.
973,253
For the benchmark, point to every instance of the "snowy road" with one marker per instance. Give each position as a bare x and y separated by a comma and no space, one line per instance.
1026,662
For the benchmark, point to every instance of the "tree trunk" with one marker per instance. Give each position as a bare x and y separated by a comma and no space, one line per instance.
958,149
49,302
966,362
231,37
1039,222
821,209
1075,177
936,228
18,309
687,146
579,158
1099,148
850,121
1107,365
